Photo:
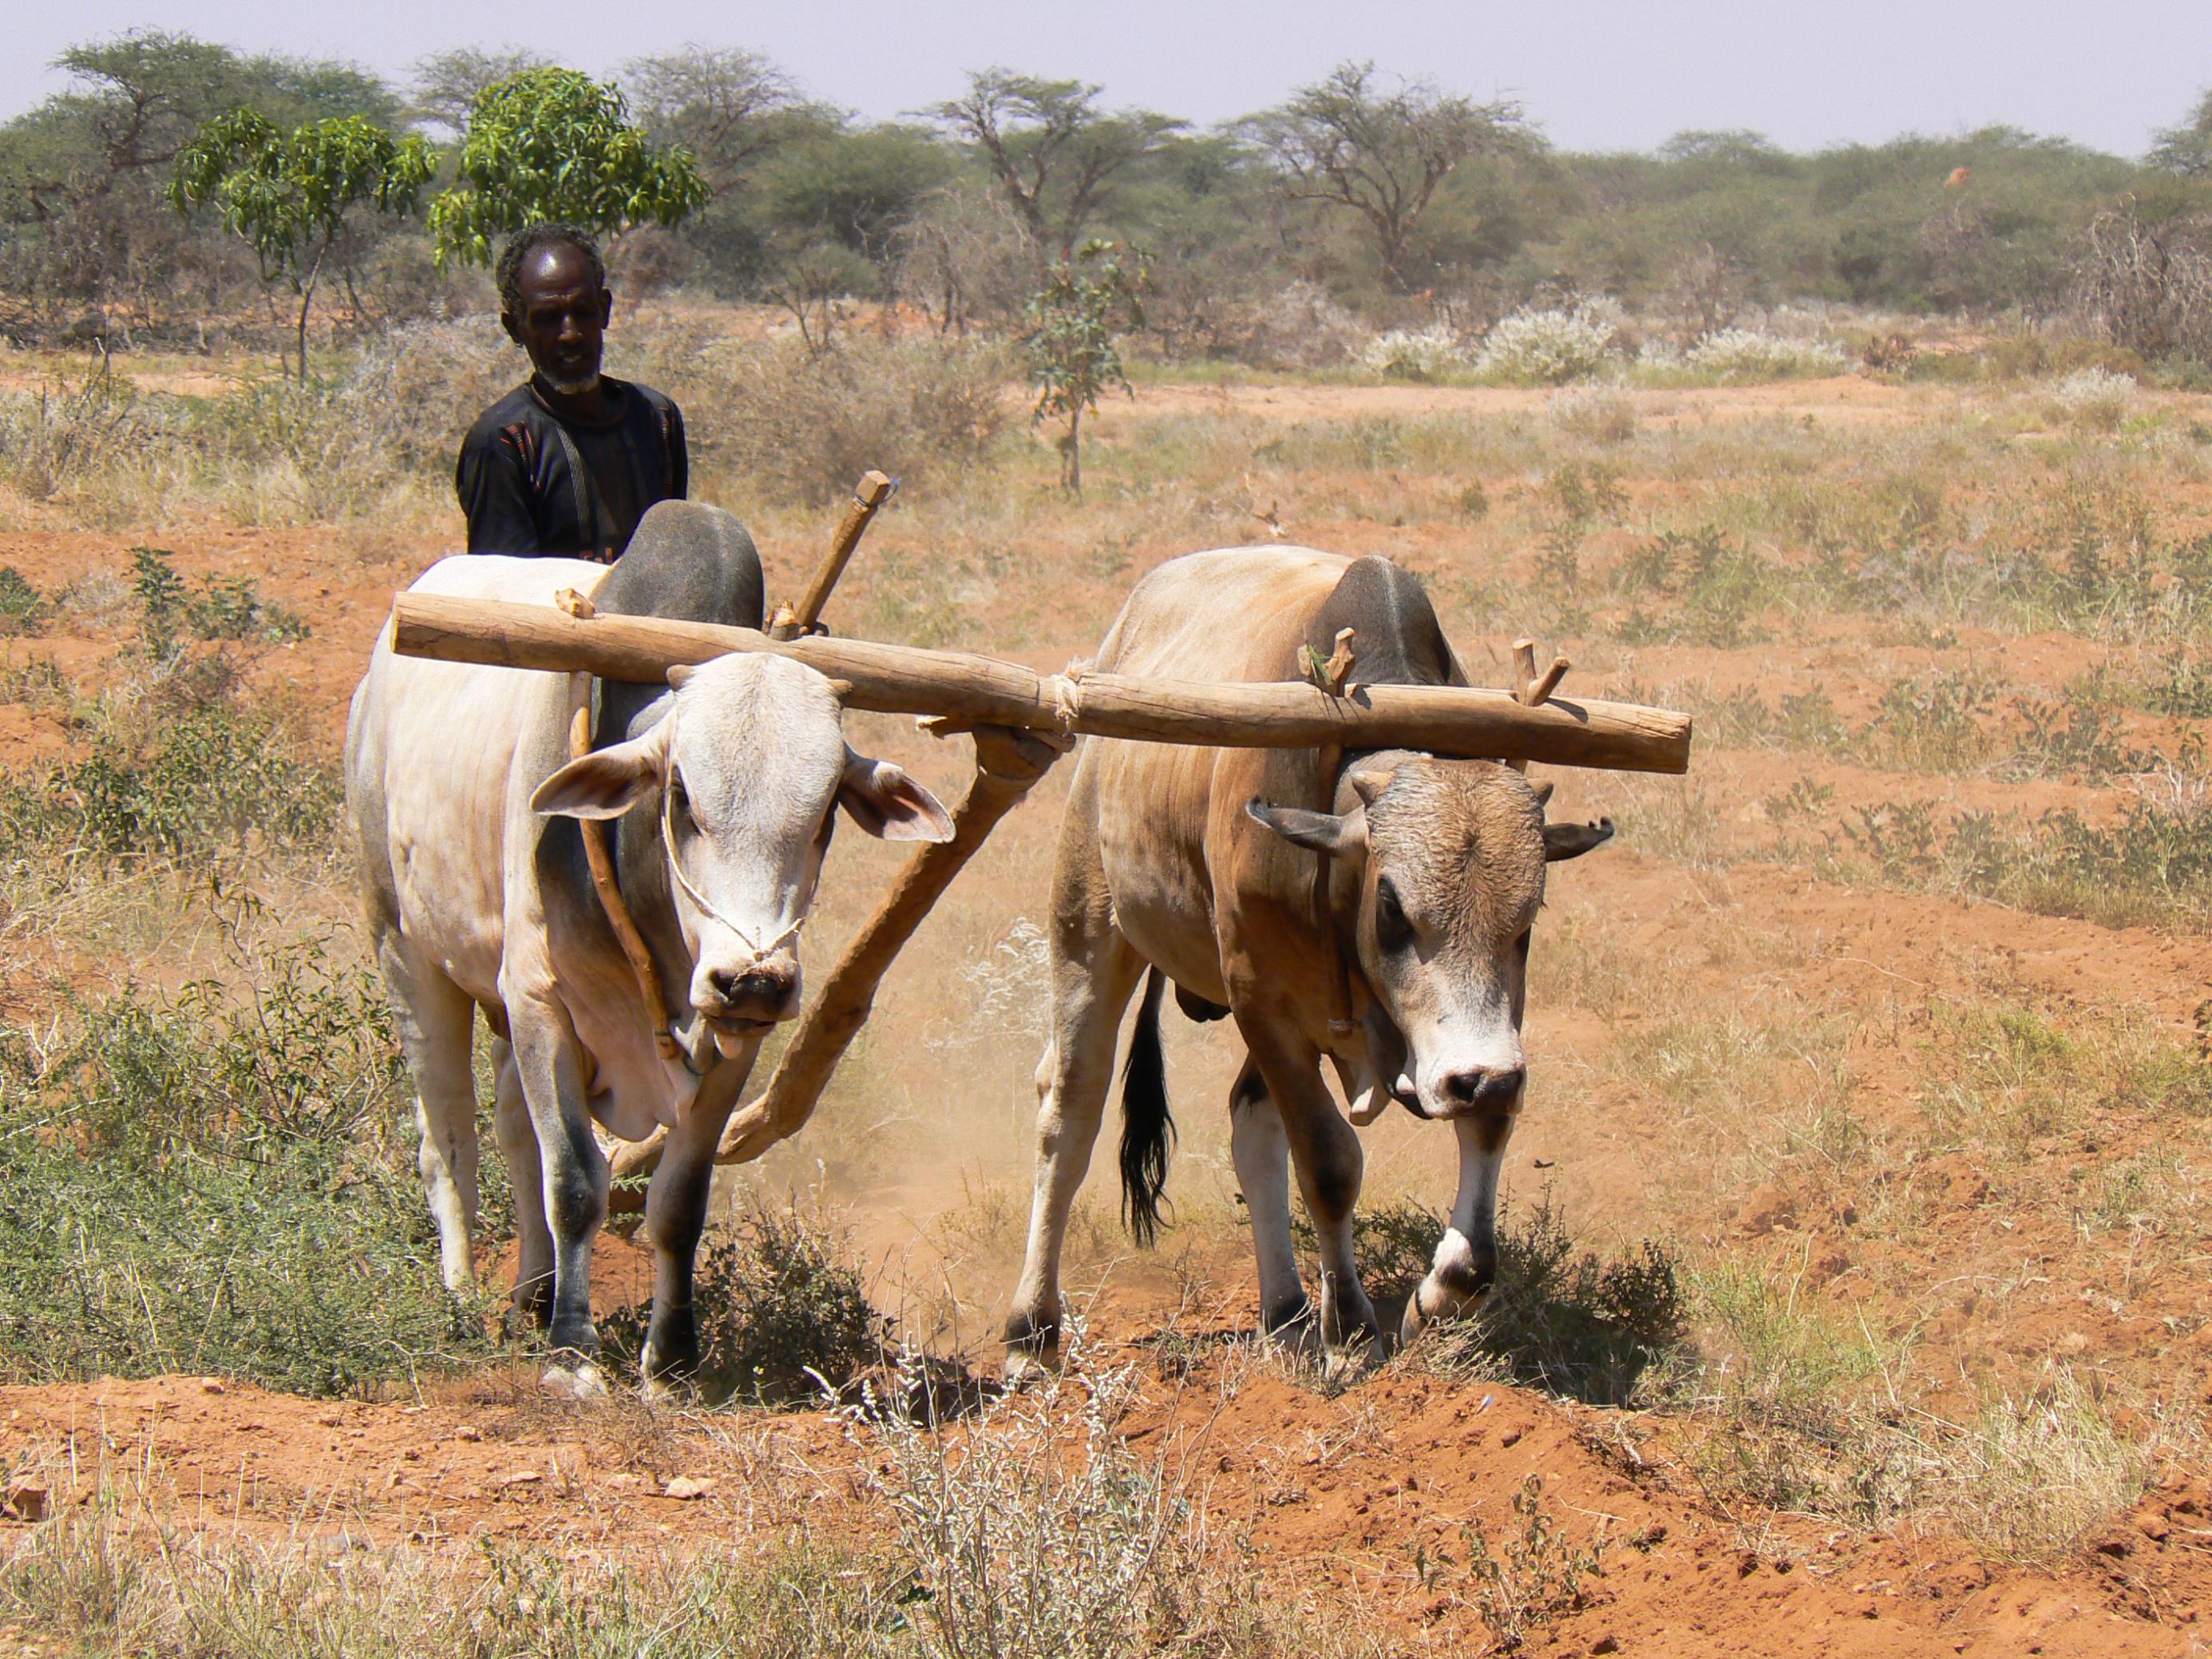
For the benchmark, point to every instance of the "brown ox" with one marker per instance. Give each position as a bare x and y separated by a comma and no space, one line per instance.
1200,865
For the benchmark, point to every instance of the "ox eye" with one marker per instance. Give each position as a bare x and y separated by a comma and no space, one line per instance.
1392,931
680,799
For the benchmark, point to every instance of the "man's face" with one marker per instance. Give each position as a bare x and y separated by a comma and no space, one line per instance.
562,319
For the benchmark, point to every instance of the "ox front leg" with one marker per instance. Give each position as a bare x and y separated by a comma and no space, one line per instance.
675,1217
573,1185
1466,1263
1072,1080
1330,1166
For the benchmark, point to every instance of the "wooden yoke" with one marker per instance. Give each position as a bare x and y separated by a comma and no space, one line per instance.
1007,763
977,690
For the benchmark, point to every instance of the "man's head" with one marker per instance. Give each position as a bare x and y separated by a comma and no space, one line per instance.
554,303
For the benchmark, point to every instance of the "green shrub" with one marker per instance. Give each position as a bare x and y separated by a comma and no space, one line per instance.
207,775
225,608
232,608
1568,1322
780,1315
189,1184
22,607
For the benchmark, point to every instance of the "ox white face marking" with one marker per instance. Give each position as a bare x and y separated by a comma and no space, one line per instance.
749,760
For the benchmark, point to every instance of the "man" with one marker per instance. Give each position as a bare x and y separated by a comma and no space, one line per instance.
568,461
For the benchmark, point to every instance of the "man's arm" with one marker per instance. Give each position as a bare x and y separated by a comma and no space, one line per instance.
495,494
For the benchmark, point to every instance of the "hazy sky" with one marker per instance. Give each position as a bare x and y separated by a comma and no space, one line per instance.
1598,74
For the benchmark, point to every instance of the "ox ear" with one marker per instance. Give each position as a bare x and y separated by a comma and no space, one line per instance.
1571,840
885,802
1344,834
607,782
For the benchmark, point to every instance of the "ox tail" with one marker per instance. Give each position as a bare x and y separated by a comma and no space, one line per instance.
1147,1129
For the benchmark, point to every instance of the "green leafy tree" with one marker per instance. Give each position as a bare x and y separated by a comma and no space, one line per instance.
1086,301
552,143
288,194
1348,143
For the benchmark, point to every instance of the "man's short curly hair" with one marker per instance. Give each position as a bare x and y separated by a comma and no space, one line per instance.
527,241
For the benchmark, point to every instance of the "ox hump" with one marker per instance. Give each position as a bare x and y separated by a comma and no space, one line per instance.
1396,639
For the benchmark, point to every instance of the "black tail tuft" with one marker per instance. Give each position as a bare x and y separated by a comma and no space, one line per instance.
1147,1128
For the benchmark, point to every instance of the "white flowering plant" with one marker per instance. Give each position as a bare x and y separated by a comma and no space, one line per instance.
1550,347
1754,354
2096,397
1414,354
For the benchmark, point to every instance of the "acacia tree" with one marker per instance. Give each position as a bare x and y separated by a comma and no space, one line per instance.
445,83
2187,149
1346,143
1086,301
289,193
85,210
1053,152
553,143
727,108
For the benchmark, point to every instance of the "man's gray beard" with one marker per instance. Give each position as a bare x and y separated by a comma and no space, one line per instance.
573,388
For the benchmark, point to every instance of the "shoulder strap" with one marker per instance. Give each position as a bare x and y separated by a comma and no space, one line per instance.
590,511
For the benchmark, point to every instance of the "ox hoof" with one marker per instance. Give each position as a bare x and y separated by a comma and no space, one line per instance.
667,1390
1031,1367
585,1382
1340,1368
1413,1322
1296,1339
1349,1320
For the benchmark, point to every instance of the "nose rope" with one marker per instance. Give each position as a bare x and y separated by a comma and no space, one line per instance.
760,952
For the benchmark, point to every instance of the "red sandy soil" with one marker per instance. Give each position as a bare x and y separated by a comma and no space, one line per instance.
1349,1488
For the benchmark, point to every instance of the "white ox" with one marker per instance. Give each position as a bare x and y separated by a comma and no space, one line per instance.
463,794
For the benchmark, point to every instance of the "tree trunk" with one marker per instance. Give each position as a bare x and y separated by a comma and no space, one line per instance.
1071,457
306,301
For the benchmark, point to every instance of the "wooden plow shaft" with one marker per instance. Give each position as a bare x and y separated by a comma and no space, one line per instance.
1007,763
792,622
966,690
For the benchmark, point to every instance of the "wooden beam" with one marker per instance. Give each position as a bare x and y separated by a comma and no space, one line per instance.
967,690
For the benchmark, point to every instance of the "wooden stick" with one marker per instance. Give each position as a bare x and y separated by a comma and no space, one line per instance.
975,690
1532,688
1006,763
870,494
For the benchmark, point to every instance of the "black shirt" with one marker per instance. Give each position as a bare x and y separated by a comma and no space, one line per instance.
518,483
